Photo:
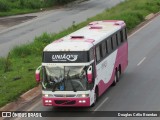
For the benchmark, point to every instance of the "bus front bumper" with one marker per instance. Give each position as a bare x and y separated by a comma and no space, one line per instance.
66,102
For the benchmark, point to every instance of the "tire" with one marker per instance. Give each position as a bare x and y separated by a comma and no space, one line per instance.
115,79
95,98
118,75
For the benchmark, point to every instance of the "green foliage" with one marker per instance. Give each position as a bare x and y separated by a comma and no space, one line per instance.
4,6
31,4
7,64
62,1
2,62
21,51
12,7
11,89
132,18
132,12
44,38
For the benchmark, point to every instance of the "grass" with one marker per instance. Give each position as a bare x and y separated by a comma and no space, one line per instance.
18,12
14,7
17,70
18,79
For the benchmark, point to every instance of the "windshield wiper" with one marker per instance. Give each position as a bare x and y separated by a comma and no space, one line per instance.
73,87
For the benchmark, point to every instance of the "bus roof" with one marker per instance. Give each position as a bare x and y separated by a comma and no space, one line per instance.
86,37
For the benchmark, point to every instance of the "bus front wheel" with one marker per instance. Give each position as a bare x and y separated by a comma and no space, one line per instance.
95,97
115,79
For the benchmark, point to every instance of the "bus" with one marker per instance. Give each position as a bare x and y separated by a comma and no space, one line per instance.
80,67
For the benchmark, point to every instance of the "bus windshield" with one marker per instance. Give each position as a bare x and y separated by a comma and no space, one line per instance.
64,78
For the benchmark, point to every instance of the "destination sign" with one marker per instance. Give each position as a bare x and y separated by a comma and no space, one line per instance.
66,57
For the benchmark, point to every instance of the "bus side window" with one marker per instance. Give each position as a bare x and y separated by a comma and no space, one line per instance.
118,38
109,46
114,42
125,33
103,49
98,54
122,38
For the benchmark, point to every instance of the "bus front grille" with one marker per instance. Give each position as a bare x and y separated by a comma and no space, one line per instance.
64,95
65,102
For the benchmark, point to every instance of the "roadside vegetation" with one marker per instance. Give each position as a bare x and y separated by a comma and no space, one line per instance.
13,7
17,70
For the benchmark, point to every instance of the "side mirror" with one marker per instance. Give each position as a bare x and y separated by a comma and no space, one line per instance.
89,74
37,74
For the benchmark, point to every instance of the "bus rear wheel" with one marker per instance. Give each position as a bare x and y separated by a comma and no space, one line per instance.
118,75
119,72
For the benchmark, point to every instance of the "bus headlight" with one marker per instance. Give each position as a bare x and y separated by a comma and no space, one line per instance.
83,95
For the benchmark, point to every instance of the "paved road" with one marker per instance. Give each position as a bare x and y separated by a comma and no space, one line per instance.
52,22
138,89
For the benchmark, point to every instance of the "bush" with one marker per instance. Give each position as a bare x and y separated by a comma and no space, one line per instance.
44,38
4,6
5,64
32,4
2,62
62,1
21,51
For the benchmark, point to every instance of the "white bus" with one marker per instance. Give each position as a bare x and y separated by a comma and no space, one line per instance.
79,67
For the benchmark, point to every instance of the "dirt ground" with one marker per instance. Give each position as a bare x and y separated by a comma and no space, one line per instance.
7,22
